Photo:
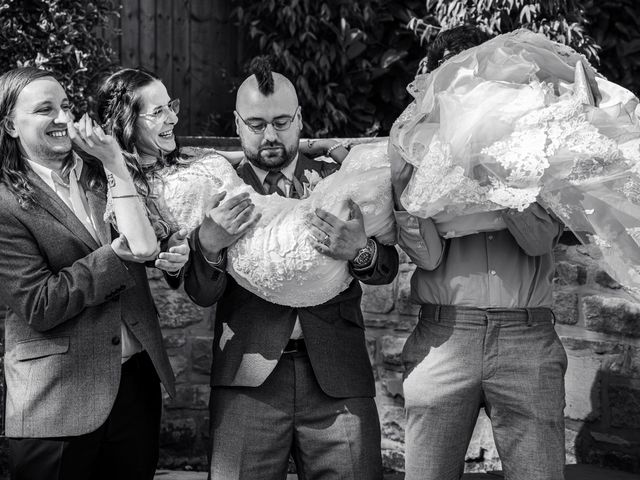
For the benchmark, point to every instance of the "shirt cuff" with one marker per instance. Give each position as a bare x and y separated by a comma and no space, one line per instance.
218,263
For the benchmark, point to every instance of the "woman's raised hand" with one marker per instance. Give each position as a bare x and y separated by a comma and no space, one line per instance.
90,137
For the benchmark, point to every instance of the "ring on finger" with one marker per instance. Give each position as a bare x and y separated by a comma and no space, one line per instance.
326,239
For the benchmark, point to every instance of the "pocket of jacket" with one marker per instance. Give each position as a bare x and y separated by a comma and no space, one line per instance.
41,347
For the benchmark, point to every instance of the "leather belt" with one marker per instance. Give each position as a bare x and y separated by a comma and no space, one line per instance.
295,346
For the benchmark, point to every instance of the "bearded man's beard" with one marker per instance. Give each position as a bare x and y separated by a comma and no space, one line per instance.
272,156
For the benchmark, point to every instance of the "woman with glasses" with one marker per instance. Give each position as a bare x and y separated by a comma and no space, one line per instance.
135,107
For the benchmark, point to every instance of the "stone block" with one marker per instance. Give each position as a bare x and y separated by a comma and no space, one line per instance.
404,305
378,298
391,349
392,456
565,307
189,397
392,423
634,361
611,315
406,323
570,445
174,340
603,279
391,382
612,355
624,403
202,354
176,309
582,387
180,366
567,273
178,433
610,438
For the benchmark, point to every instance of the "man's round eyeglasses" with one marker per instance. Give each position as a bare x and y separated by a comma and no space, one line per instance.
161,113
259,125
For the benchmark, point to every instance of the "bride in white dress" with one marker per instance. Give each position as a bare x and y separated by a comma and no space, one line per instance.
275,259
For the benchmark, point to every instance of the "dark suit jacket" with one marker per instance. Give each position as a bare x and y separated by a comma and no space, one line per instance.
251,333
67,296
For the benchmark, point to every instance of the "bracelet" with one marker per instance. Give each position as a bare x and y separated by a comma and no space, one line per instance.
333,147
125,196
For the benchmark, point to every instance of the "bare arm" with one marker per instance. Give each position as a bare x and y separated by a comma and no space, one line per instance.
129,210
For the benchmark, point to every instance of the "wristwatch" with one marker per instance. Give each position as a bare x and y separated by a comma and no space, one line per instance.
365,255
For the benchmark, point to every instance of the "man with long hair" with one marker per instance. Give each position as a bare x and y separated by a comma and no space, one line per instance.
83,347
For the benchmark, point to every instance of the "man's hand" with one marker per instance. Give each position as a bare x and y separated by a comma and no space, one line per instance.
337,238
401,172
121,248
177,253
226,222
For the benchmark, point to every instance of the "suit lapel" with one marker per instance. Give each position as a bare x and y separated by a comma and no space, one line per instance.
248,175
49,201
304,163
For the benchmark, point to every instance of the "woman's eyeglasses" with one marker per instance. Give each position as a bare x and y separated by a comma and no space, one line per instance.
161,113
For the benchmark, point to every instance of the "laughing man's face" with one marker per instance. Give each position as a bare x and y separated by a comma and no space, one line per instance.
39,122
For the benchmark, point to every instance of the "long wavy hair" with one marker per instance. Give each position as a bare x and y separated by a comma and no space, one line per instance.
13,167
118,105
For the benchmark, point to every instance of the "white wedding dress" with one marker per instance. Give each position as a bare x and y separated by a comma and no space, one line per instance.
275,259
515,121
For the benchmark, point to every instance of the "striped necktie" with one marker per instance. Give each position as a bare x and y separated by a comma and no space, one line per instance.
271,183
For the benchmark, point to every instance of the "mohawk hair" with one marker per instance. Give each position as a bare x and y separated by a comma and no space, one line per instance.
261,68
453,41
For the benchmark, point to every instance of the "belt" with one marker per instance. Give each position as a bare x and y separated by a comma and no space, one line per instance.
529,315
295,346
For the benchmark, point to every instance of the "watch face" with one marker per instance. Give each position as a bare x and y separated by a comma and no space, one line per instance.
363,258
365,255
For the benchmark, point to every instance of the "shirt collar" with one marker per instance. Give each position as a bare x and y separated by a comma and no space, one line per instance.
49,176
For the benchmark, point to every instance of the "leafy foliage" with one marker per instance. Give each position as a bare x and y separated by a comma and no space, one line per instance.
61,36
350,60
561,20
615,26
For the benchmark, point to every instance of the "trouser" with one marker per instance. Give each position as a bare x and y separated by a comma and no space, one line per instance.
125,447
254,430
509,361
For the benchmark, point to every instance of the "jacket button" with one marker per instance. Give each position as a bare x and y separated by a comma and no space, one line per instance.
115,340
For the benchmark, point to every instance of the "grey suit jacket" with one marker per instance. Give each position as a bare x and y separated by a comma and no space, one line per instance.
66,298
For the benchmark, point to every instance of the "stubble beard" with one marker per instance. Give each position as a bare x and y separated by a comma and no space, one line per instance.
270,162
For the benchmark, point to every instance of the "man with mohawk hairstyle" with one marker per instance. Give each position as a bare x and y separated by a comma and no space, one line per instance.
287,381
